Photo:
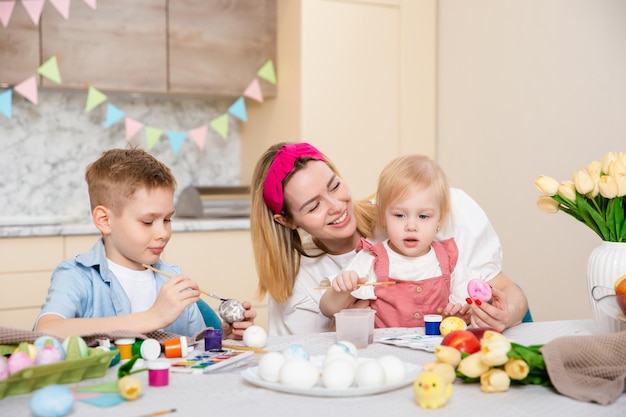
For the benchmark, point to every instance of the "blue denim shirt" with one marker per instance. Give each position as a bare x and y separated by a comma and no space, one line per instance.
84,286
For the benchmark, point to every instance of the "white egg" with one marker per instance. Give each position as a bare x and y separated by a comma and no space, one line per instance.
340,354
298,373
269,366
370,374
255,336
394,368
343,346
296,351
339,372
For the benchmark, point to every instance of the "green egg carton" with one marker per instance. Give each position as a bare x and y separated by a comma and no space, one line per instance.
94,365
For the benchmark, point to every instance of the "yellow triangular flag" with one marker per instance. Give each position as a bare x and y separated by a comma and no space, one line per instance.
50,70
152,136
94,99
267,72
220,124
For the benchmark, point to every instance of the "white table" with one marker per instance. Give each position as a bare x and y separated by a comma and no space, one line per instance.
227,394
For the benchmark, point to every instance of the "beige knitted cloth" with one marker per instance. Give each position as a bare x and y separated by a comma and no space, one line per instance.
588,368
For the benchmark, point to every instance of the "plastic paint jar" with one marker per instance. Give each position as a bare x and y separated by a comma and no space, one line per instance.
431,323
212,339
158,373
125,346
150,349
176,348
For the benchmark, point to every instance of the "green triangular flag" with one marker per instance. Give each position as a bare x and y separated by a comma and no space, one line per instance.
50,70
94,99
267,72
220,124
152,136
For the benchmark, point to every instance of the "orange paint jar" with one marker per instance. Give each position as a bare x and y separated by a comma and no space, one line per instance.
175,348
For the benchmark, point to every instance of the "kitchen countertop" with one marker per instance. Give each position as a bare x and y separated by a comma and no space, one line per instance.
30,227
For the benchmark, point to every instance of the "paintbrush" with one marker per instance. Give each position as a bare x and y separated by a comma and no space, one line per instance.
165,274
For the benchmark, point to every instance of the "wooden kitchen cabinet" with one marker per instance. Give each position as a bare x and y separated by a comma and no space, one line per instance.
216,47
121,46
19,48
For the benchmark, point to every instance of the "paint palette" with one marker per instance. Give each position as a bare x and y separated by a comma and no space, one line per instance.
201,362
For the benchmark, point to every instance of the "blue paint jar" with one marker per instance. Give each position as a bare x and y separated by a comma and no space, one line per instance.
431,324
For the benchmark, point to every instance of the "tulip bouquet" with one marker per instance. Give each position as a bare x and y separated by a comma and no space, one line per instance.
595,196
497,365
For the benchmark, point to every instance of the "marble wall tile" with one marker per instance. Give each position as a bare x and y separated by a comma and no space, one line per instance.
45,148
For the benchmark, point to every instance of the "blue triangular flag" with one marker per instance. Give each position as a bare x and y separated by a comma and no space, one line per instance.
176,140
238,109
113,115
6,100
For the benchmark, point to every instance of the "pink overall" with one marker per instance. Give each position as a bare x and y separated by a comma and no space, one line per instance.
405,303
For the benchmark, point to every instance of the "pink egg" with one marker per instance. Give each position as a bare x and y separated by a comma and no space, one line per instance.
479,290
48,354
18,361
4,368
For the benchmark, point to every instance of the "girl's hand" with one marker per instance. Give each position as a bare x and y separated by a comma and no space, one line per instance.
459,310
175,295
494,315
235,330
347,281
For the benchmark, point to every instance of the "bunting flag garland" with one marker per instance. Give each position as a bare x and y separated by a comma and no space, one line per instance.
113,115
132,127
6,99
28,89
50,70
62,6
267,72
176,140
198,135
94,99
152,136
220,125
33,8
6,10
238,109
253,91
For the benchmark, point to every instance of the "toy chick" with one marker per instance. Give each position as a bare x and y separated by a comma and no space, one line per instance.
431,390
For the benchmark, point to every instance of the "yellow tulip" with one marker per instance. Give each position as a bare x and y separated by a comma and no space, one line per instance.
583,182
444,370
448,354
616,167
516,369
494,347
620,180
547,204
495,380
472,366
608,186
607,160
130,387
567,190
547,185
595,168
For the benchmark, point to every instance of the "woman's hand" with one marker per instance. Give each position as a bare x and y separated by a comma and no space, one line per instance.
235,330
494,315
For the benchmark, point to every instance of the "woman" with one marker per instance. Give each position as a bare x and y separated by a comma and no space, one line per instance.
305,227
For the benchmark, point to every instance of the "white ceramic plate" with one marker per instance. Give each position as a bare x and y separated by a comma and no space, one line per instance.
252,376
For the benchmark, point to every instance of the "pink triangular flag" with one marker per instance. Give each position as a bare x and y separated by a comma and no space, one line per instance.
253,91
33,8
28,88
199,135
63,7
132,127
6,9
91,3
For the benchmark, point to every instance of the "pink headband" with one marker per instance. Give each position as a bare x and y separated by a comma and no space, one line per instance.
283,164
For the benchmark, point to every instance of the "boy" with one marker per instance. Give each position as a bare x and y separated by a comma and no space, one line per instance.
107,288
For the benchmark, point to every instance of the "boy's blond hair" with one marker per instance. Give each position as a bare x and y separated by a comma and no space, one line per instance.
113,179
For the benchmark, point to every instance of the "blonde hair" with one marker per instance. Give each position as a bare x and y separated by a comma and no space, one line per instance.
403,175
278,248
113,179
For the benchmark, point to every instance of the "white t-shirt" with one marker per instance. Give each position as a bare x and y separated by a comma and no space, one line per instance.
140,286
479,252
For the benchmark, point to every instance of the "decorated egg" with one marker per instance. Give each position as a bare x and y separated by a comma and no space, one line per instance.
4,368
255,336
42,341
52,401
450,324
269,366
370,374
18,361
232,310
343,346
49,354
394,368
27,348
339,372
75,347
479,290
296,351
298,373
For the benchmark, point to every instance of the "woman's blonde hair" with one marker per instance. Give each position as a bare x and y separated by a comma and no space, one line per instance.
402,176
277,248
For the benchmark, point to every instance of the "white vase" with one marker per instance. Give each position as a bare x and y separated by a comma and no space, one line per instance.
606,264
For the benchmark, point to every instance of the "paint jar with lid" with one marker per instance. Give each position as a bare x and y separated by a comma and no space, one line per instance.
158,373
213,339
125,346
176,348
431,324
